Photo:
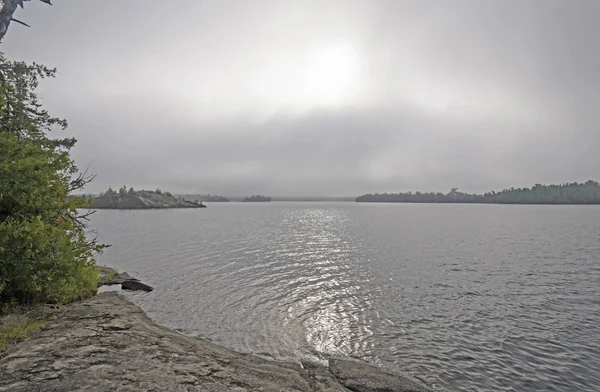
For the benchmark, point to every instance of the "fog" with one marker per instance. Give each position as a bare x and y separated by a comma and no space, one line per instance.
322,98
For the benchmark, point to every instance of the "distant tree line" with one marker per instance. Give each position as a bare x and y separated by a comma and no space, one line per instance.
567,193
206,197
257,198
130,191
122,191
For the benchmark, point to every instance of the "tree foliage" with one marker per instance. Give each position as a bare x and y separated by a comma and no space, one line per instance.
44,252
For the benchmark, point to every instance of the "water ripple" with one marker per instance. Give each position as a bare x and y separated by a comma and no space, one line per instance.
470,298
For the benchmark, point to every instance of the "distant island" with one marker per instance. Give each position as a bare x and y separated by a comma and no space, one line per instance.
207,197
257,198
567,193
130,199
314,198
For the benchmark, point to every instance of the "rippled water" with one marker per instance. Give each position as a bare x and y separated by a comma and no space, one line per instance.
466,297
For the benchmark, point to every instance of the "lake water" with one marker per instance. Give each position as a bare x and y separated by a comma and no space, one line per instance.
466,297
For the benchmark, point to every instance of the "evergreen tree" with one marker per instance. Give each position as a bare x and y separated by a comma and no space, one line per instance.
44,252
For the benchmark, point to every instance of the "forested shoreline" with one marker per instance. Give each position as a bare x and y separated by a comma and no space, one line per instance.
567,193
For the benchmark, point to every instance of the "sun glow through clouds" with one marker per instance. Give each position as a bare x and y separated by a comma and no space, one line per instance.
331,75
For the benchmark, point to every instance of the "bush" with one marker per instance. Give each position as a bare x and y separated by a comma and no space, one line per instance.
44,253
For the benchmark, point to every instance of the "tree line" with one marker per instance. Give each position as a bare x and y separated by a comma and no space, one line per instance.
130,191
257,198
567,193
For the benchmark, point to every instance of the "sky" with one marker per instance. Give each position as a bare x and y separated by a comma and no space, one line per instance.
321,98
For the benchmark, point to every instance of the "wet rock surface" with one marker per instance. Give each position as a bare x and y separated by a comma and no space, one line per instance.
106,343
361,377
135,285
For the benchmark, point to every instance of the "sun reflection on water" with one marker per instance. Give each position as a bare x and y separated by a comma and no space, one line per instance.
332,307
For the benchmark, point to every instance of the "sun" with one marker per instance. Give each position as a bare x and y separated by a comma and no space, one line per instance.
331,75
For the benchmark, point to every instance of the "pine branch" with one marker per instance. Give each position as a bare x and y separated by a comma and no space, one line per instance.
18,21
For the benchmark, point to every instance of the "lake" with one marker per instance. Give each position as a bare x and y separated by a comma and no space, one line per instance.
465,297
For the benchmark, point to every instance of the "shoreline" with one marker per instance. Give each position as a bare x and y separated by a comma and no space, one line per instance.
107,343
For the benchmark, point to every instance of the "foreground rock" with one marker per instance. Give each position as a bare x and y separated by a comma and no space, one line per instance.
108,344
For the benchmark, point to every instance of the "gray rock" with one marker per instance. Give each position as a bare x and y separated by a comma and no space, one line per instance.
134,284
122,277
106,343
361,377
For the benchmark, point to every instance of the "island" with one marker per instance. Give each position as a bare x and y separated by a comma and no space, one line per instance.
131,199
257,198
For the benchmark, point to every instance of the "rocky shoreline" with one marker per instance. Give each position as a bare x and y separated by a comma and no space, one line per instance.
107,343
110,276
142,200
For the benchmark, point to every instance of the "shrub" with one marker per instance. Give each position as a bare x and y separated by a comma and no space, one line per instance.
44,253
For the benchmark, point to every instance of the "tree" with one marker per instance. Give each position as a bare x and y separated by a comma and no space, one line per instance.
123,190
131,191
8,10
44,252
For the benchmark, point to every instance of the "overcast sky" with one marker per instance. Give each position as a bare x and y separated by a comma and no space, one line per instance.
322,97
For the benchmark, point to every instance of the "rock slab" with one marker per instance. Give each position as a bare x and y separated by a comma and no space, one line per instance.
106,343
361,377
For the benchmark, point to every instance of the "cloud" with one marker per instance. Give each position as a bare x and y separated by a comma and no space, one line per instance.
210,96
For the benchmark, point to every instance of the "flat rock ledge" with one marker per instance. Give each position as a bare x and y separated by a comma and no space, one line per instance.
106,343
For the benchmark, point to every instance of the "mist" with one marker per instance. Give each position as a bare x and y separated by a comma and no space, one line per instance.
335,99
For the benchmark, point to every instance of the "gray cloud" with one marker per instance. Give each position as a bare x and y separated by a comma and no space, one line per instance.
208,96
